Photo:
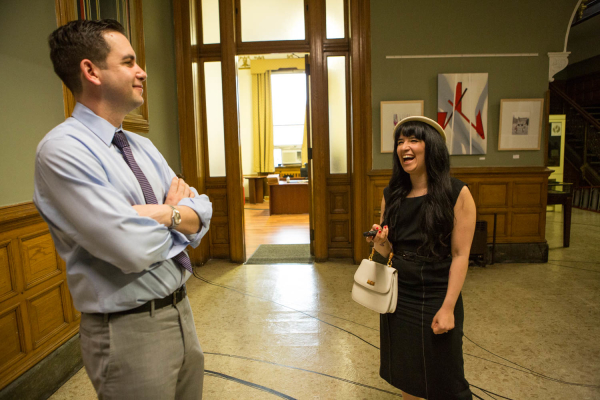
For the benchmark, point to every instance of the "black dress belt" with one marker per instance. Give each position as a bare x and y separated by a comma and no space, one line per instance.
410,256
169,300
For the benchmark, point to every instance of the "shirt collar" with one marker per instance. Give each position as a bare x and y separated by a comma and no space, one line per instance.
98,125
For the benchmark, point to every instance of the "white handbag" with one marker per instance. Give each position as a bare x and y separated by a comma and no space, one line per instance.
376,285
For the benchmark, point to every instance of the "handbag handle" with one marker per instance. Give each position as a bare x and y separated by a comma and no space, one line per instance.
389,263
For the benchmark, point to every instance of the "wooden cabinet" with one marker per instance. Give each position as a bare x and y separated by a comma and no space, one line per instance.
289,198
36,310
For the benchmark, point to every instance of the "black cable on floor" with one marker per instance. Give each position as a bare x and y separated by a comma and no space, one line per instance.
491,393
532,371
334,326
577,261
261,298
283,305
566,266
306,370
250,384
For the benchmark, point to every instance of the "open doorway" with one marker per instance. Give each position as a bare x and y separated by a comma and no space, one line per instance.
274,136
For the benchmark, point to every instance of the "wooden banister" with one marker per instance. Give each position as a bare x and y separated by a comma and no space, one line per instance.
586,115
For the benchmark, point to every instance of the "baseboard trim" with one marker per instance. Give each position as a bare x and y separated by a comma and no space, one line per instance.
47,376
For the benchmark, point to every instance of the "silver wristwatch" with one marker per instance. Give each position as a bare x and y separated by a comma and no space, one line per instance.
175,217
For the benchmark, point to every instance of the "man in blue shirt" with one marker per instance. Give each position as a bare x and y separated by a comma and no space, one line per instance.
121,220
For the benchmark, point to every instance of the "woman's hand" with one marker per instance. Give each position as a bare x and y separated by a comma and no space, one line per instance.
381,237
443,321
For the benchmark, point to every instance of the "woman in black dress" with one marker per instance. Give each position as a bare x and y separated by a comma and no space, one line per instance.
428,221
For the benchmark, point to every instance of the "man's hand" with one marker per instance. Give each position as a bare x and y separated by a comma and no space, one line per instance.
178,190
161,213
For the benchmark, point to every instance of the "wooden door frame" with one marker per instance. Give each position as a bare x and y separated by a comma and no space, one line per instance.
362,138
358,47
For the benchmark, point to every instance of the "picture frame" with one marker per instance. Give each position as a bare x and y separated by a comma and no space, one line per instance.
520,124
391,113
462,111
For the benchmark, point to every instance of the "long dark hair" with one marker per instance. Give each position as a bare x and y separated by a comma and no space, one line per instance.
437,216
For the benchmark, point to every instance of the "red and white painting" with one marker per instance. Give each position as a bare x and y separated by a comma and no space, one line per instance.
462,112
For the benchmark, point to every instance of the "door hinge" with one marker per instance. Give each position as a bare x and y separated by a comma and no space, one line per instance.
312,234
309,151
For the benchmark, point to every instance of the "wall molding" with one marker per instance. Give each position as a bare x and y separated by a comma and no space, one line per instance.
482,55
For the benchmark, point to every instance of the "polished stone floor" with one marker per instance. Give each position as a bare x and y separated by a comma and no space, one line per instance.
292,331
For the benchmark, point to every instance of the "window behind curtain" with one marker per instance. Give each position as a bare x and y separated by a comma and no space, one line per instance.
289,108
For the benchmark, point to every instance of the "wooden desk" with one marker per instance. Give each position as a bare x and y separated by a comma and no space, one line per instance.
566,199
255,183
289,198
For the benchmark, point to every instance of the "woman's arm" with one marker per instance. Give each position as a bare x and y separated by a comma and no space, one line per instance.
462,237
381,243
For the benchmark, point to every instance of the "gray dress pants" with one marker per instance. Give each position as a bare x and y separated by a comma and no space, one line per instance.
138,356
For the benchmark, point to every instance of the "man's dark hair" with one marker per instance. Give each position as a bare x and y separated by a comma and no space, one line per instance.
76,41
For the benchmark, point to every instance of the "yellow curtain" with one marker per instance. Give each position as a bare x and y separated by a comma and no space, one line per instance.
262,115
305,142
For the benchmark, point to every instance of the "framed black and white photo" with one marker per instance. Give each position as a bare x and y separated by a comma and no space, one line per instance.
520,124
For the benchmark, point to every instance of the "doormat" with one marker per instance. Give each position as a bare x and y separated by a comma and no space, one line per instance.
281,254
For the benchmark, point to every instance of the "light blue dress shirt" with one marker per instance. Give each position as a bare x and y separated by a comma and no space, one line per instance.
116,259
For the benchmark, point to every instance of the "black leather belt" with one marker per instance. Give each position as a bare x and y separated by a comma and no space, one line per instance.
169,300
410,256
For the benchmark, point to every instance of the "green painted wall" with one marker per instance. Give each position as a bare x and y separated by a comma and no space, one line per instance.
162,81
464,27
31,102
30,93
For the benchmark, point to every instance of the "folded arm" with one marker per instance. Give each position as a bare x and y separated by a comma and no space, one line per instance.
73,191
163,213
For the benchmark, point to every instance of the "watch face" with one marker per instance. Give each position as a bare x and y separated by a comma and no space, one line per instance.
177,217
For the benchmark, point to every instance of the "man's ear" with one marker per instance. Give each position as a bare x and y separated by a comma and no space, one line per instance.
90,72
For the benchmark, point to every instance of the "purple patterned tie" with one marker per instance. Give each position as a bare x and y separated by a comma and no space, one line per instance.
121,142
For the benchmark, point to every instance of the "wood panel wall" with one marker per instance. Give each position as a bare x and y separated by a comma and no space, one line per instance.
219,224
517,196
339,216
36,309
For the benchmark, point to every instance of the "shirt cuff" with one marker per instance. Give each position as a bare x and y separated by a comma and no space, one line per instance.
180,242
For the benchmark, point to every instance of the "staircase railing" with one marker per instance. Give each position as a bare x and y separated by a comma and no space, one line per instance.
585,129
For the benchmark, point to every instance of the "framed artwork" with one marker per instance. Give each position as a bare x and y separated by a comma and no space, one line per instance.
520,124
391,113
462,112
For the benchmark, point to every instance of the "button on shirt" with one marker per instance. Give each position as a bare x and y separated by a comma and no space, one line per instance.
116,259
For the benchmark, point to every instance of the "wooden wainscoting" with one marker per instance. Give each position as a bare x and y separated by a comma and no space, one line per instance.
36,309
516,195
339,213
219,223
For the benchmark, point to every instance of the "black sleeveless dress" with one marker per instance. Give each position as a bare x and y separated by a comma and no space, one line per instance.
413,358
